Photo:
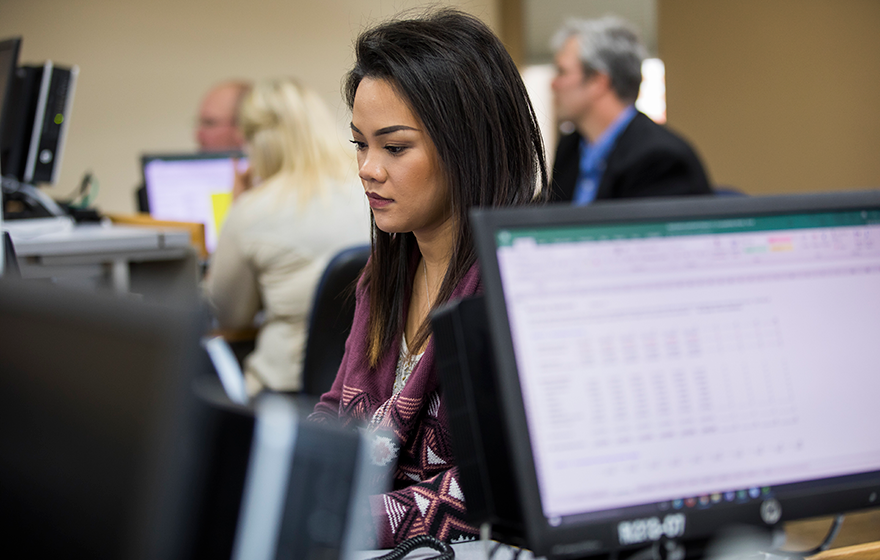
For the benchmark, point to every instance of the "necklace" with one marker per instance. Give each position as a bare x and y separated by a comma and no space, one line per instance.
427,292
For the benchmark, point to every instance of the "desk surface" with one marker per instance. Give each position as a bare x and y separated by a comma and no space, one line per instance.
57,237
859,539
157,263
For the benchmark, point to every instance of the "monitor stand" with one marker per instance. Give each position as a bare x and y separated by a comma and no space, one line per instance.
26,201
737,542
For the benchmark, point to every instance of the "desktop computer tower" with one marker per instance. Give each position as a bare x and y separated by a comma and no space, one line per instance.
34,134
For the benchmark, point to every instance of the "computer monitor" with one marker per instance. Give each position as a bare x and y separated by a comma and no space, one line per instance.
668,369
100,453
8,62
118,444
277,486
191,188
37,120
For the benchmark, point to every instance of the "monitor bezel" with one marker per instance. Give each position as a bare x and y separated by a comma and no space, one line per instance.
186,156
178,156
601,537
160,515
12,44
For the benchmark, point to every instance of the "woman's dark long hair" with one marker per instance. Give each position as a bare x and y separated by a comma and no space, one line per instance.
458,79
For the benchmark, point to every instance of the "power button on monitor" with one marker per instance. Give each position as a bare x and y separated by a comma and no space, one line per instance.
45,156
771,511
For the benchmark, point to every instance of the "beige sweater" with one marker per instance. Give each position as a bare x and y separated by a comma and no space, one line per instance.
270,255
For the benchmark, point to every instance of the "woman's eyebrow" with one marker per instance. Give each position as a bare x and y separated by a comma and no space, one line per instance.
386,130
395,128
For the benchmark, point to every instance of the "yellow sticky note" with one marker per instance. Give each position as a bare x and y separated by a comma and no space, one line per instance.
220,202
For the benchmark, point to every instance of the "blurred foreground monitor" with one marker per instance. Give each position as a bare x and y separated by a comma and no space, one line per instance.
118,441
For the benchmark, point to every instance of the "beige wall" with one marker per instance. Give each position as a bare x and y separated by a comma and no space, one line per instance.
778,95
144,66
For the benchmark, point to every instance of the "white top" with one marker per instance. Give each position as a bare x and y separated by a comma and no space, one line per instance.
270,256
405,365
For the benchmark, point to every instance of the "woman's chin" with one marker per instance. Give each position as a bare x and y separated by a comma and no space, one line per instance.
388,227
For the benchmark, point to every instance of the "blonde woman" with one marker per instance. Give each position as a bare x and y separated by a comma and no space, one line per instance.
295,207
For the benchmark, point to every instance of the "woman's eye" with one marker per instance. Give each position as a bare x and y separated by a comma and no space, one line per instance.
358,145
394,150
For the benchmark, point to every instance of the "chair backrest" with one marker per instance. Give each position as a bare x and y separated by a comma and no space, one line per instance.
10,262
727,191
331,318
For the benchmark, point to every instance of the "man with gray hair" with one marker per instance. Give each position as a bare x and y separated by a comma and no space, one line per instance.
615,151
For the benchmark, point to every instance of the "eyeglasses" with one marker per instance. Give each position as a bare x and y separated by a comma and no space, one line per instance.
203,122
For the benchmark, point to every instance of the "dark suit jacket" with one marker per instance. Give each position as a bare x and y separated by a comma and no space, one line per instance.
647,160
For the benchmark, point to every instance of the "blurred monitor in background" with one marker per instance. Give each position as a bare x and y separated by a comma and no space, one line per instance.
8,61
35,107
36,119
191,188
216,131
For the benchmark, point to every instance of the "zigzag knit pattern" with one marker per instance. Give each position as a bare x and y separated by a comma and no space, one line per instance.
434,507
427,498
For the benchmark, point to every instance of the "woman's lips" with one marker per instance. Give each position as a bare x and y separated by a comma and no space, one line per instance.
377,201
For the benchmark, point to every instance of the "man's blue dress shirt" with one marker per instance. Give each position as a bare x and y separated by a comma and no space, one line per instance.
593,158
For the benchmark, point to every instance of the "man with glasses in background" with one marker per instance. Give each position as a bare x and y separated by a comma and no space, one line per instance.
217,125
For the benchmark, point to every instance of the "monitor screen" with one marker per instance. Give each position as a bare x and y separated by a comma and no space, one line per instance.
681,365
192,188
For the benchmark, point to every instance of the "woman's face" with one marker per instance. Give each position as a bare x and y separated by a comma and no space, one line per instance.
398,163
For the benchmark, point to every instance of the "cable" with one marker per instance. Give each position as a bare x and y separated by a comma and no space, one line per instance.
92,192
79,191
823,546
647,553
497,546
421,541
85,193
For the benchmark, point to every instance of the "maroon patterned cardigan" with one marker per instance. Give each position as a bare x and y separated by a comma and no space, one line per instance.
412,437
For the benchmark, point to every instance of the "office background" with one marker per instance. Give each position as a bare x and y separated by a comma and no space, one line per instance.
777,95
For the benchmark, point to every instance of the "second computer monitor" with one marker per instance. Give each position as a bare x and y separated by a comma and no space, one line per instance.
667,369
192,188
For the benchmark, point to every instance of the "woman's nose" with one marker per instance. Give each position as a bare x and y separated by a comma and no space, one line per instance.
371,169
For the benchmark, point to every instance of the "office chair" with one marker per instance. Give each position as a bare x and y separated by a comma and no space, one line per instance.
143,203
10,262
727,191
331,318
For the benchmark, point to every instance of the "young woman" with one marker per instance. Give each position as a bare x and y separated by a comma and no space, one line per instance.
303,208
441,122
